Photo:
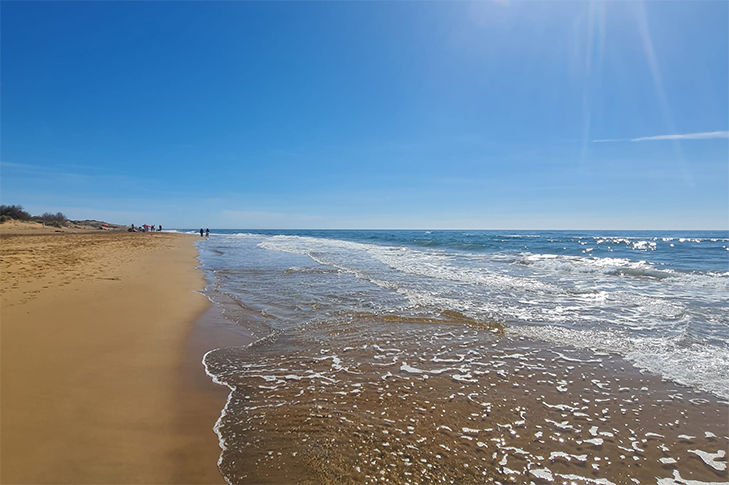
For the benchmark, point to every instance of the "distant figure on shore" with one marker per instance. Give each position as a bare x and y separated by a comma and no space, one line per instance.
207,232
160,228
201,232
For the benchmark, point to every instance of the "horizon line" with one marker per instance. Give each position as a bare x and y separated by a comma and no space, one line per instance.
436,229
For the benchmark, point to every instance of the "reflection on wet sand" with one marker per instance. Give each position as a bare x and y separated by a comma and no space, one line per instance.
366,399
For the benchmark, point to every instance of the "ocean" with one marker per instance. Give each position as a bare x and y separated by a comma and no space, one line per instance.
366,341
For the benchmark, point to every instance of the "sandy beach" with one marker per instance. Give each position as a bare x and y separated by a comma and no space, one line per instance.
100,380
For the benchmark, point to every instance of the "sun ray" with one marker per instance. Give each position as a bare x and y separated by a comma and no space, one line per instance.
595,45
644,30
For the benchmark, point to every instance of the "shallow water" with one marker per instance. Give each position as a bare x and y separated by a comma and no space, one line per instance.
383,359
661,300
365,400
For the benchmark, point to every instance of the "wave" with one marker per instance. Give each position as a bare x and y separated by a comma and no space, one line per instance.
702,366
642,309
642,273
482,269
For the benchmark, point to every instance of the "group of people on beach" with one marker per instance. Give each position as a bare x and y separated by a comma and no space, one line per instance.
145,228
151,228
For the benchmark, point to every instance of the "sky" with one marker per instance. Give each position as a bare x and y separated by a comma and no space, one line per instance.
368,114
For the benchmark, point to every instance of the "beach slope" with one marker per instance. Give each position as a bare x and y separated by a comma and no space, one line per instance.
95,386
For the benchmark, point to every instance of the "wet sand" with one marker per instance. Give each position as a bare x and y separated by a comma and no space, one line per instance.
371,400
100,380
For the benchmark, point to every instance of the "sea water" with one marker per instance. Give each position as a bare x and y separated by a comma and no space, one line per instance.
351,325
659,299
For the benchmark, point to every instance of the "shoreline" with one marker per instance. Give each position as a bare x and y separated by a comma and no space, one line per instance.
210,331
100,377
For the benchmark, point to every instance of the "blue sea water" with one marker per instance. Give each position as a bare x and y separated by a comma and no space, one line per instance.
659,299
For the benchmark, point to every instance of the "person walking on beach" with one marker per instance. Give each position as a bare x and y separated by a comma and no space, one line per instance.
207,232
201,232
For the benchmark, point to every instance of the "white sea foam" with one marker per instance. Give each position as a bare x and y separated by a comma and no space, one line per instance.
711,458
598,481
702,366
223,412
645,311
678,480
413,370
543,473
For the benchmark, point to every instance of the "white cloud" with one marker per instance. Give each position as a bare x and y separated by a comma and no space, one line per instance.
688,136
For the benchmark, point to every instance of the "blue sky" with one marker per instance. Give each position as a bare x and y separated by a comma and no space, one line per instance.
483,115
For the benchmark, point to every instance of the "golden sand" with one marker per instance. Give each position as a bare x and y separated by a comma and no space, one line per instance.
96,372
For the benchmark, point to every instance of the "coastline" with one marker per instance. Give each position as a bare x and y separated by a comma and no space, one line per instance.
356,385
98,350
210,331
102,382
